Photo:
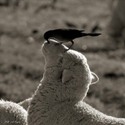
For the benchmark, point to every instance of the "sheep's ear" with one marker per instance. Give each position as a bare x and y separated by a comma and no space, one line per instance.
95,78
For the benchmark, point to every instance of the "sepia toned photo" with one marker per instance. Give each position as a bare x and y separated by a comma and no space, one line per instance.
62,62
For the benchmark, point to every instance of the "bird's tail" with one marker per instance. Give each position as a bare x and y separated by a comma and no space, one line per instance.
91,34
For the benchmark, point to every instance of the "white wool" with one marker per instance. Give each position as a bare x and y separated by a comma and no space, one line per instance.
59,98
12,114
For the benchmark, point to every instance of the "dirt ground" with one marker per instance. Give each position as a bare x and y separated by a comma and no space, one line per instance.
22,63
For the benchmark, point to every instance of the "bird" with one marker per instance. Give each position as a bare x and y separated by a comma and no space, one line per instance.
66,35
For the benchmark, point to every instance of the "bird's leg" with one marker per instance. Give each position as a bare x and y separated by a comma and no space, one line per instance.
61,42
72,43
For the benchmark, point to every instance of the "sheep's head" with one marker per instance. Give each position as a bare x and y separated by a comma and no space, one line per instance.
53,51
76,75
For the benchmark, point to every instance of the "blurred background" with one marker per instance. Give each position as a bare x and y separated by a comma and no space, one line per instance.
22,25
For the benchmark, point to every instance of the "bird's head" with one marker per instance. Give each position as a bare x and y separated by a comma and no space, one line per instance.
47,35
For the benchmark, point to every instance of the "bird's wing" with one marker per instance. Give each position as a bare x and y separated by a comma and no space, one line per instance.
67,30
75,30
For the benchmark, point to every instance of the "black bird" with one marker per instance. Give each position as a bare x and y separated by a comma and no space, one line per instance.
66,35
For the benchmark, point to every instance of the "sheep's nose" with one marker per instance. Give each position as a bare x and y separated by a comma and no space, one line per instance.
51,41
47,42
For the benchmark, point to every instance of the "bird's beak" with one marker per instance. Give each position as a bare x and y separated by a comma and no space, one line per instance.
48,41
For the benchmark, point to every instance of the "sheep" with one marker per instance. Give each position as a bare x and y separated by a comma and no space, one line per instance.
12,114
59,98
